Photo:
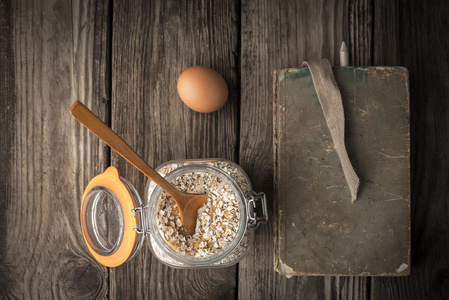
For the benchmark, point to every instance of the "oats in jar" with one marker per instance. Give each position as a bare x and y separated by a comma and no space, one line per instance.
218,219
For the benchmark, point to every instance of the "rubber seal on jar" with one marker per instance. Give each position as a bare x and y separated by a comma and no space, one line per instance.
110,186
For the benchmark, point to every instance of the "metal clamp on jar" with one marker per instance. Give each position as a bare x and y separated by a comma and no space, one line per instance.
115,221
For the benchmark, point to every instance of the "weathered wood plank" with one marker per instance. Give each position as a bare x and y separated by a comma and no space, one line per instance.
7,115
413,34
153,42
52,158
277,34
48,158
359,31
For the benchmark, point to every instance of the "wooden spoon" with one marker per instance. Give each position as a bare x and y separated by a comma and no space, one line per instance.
188,204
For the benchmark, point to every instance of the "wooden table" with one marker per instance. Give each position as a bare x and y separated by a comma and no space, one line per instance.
122,59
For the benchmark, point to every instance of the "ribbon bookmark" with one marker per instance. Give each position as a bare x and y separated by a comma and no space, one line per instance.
332,105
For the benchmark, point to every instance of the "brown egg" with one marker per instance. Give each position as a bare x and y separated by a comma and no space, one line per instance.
202,89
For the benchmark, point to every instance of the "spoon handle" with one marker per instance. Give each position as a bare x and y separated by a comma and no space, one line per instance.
101,130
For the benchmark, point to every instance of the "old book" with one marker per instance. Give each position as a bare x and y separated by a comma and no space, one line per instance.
318,230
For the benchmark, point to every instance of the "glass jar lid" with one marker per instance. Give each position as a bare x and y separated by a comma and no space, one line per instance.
108,218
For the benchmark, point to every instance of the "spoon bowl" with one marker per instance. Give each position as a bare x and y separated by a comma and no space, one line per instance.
188,204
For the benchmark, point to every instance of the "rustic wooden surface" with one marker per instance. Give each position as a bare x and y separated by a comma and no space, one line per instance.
122,59
54,63
152,42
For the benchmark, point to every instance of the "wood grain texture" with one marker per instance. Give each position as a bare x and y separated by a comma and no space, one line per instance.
359,32
51,158
153,42
7,100
413,34
279,35
55,52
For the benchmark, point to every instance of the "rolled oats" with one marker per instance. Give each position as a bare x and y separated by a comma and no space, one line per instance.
214,230
218,219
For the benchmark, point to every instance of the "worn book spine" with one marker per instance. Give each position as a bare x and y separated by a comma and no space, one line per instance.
279,207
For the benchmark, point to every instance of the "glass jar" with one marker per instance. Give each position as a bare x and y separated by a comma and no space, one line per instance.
115,221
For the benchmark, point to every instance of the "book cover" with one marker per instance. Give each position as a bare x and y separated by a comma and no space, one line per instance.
318,230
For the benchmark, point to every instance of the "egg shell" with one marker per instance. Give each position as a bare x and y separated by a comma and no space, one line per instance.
202,89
